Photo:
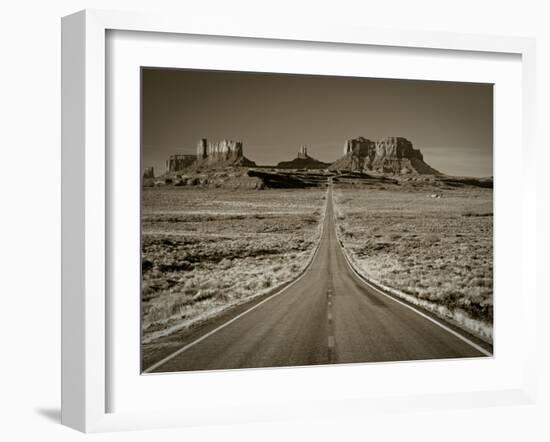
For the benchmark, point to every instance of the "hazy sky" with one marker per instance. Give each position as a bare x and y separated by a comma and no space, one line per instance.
273,114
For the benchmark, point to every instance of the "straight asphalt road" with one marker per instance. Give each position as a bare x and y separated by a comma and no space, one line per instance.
329,315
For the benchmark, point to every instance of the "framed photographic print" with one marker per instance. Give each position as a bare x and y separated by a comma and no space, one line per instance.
249,216
304,261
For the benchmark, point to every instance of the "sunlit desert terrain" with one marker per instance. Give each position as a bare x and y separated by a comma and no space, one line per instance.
205,250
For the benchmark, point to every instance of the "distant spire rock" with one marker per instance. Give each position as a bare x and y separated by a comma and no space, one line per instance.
302,153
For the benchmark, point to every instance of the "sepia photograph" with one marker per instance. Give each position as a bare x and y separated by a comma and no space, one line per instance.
299,220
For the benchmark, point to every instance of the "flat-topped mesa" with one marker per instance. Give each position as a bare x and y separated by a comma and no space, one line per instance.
397,155
175,163
222,150
395,148
356,150
359,147
221,154
389,155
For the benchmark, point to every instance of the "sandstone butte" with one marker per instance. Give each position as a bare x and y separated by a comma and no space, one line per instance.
390,155
224,153
394,155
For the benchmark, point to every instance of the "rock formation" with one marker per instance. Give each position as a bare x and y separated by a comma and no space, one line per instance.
393,154
176,163
302,161
149,172
221,154
358,146
302,153
389,155
356,150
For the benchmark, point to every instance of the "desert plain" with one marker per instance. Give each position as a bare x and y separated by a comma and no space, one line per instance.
207,250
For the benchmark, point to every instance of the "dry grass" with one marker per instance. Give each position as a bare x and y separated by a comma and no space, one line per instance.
438,250
205,250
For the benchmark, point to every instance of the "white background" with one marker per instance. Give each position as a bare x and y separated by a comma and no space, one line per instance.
30,217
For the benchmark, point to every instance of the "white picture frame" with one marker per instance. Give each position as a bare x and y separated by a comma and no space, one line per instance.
85,211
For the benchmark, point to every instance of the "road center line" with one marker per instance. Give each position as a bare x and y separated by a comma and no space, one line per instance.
330,322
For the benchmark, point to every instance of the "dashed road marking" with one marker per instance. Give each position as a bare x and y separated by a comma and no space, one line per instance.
330,322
